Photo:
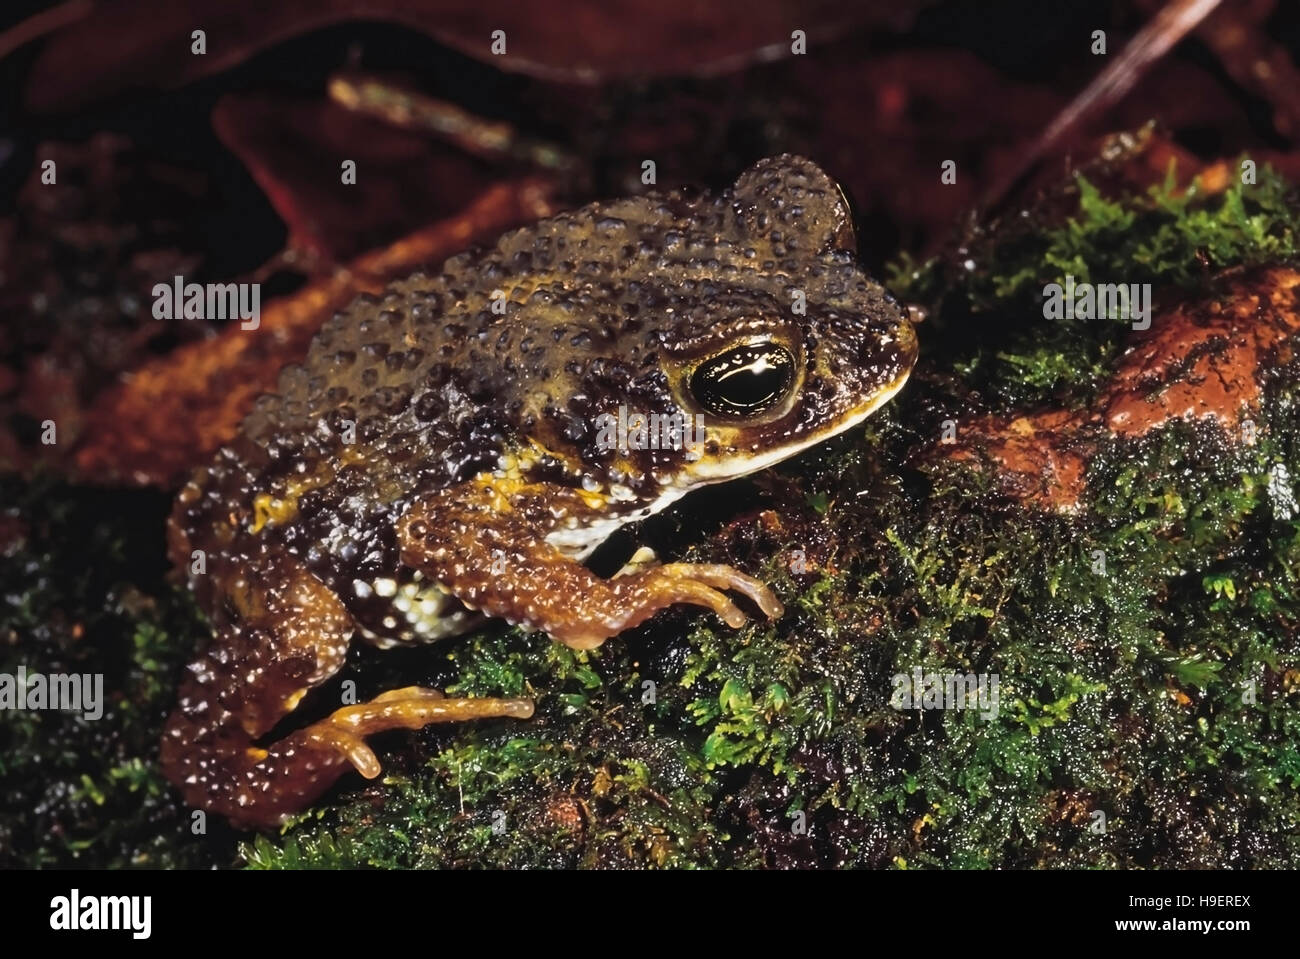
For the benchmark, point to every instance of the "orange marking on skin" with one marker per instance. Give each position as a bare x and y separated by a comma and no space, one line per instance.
274,509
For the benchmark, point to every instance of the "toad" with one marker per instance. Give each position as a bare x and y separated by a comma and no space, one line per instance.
439,458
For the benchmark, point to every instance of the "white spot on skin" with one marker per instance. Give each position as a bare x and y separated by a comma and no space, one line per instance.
421,606
577,543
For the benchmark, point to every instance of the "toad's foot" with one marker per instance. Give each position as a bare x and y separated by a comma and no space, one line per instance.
489,550
412,707
727,577
280,634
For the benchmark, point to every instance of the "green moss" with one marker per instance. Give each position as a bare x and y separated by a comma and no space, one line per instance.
1147,650
83,594
988,300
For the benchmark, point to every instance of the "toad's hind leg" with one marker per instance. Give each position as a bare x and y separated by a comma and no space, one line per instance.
278,633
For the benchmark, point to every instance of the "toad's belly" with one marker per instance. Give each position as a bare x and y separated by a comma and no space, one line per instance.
395,610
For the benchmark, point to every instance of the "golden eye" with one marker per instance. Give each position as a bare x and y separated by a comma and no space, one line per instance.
744,381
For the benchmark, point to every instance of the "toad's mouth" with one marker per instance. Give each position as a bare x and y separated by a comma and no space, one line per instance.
706,471
579,541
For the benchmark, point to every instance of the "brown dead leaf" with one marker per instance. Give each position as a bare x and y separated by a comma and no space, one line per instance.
119,46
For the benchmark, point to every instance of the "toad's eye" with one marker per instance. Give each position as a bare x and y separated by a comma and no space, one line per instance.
745,381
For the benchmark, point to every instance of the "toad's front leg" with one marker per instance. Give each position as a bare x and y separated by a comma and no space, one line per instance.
488,548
